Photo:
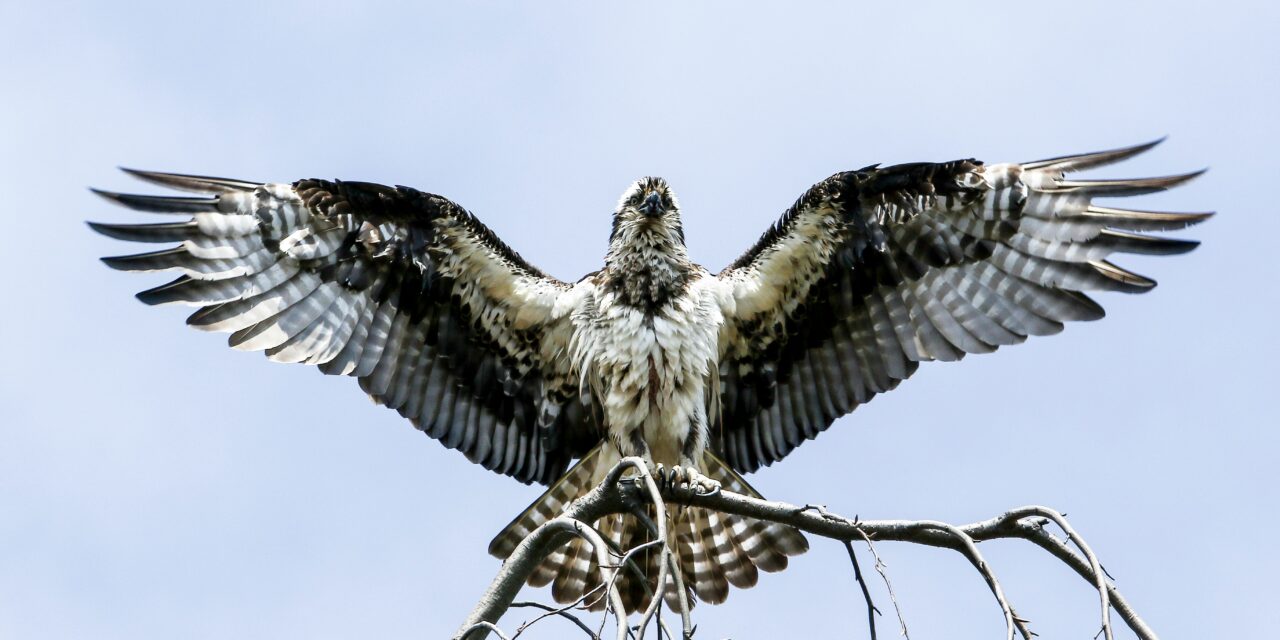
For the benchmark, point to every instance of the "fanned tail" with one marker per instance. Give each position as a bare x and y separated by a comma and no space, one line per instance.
714,550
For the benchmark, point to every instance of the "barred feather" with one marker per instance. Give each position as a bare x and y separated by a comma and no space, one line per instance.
923,262
713,550
362,279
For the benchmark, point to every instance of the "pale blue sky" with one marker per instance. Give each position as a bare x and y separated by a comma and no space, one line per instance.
154,484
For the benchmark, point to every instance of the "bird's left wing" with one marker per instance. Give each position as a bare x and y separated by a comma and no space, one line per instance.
404,290
874,271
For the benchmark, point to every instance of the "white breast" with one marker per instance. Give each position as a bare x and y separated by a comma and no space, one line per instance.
650,373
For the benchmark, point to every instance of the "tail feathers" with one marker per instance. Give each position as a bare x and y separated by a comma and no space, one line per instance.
713,550
700,560
745,544
725,551
575,483
635,583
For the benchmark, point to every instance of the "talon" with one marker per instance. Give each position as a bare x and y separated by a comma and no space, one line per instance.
699,484
678,478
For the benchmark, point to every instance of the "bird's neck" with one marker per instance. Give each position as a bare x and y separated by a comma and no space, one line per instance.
647,270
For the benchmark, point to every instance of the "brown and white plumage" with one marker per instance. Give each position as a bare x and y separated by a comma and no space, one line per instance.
870,273
405,291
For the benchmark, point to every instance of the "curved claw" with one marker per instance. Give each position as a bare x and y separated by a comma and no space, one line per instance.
661,476
714,491
684,478
698,484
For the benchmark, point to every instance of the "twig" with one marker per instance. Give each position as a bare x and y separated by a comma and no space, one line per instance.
872,611
1094,565
880,566
489,626
530,551
970,550
628,560
556,611
1061,551
668,567
682,596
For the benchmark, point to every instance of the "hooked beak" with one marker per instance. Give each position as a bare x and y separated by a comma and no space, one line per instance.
652,205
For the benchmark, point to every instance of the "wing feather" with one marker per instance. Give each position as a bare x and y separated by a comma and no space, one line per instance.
404,290
317,335
872,272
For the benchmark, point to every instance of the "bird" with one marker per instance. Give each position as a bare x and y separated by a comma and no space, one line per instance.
705,376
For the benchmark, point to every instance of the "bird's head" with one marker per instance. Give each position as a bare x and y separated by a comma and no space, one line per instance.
648,212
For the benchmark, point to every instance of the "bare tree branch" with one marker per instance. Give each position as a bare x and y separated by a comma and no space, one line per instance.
557,611
872,611
485,626
497,599
880,566
667,566
969,548
623,494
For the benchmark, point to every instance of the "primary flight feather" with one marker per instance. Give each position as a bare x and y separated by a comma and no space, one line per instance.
868,274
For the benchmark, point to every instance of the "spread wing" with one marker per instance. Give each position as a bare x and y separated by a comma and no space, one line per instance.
872,272
404,290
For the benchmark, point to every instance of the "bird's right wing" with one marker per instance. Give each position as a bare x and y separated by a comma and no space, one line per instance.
404,290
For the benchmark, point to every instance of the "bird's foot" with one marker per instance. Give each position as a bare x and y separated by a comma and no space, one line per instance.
685,479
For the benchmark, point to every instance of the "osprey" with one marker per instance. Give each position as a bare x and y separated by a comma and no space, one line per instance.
709,375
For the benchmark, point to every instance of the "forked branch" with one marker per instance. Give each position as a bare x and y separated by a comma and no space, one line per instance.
629,486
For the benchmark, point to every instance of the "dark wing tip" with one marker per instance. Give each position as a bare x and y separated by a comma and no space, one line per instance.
166,232
1145,244
1081,161
1131,151
161,204
164,293
1196,174
102,228
1137,220
106,195
1130,186
149,261
119,263
1147,146
185,182
1175,246
1125,281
